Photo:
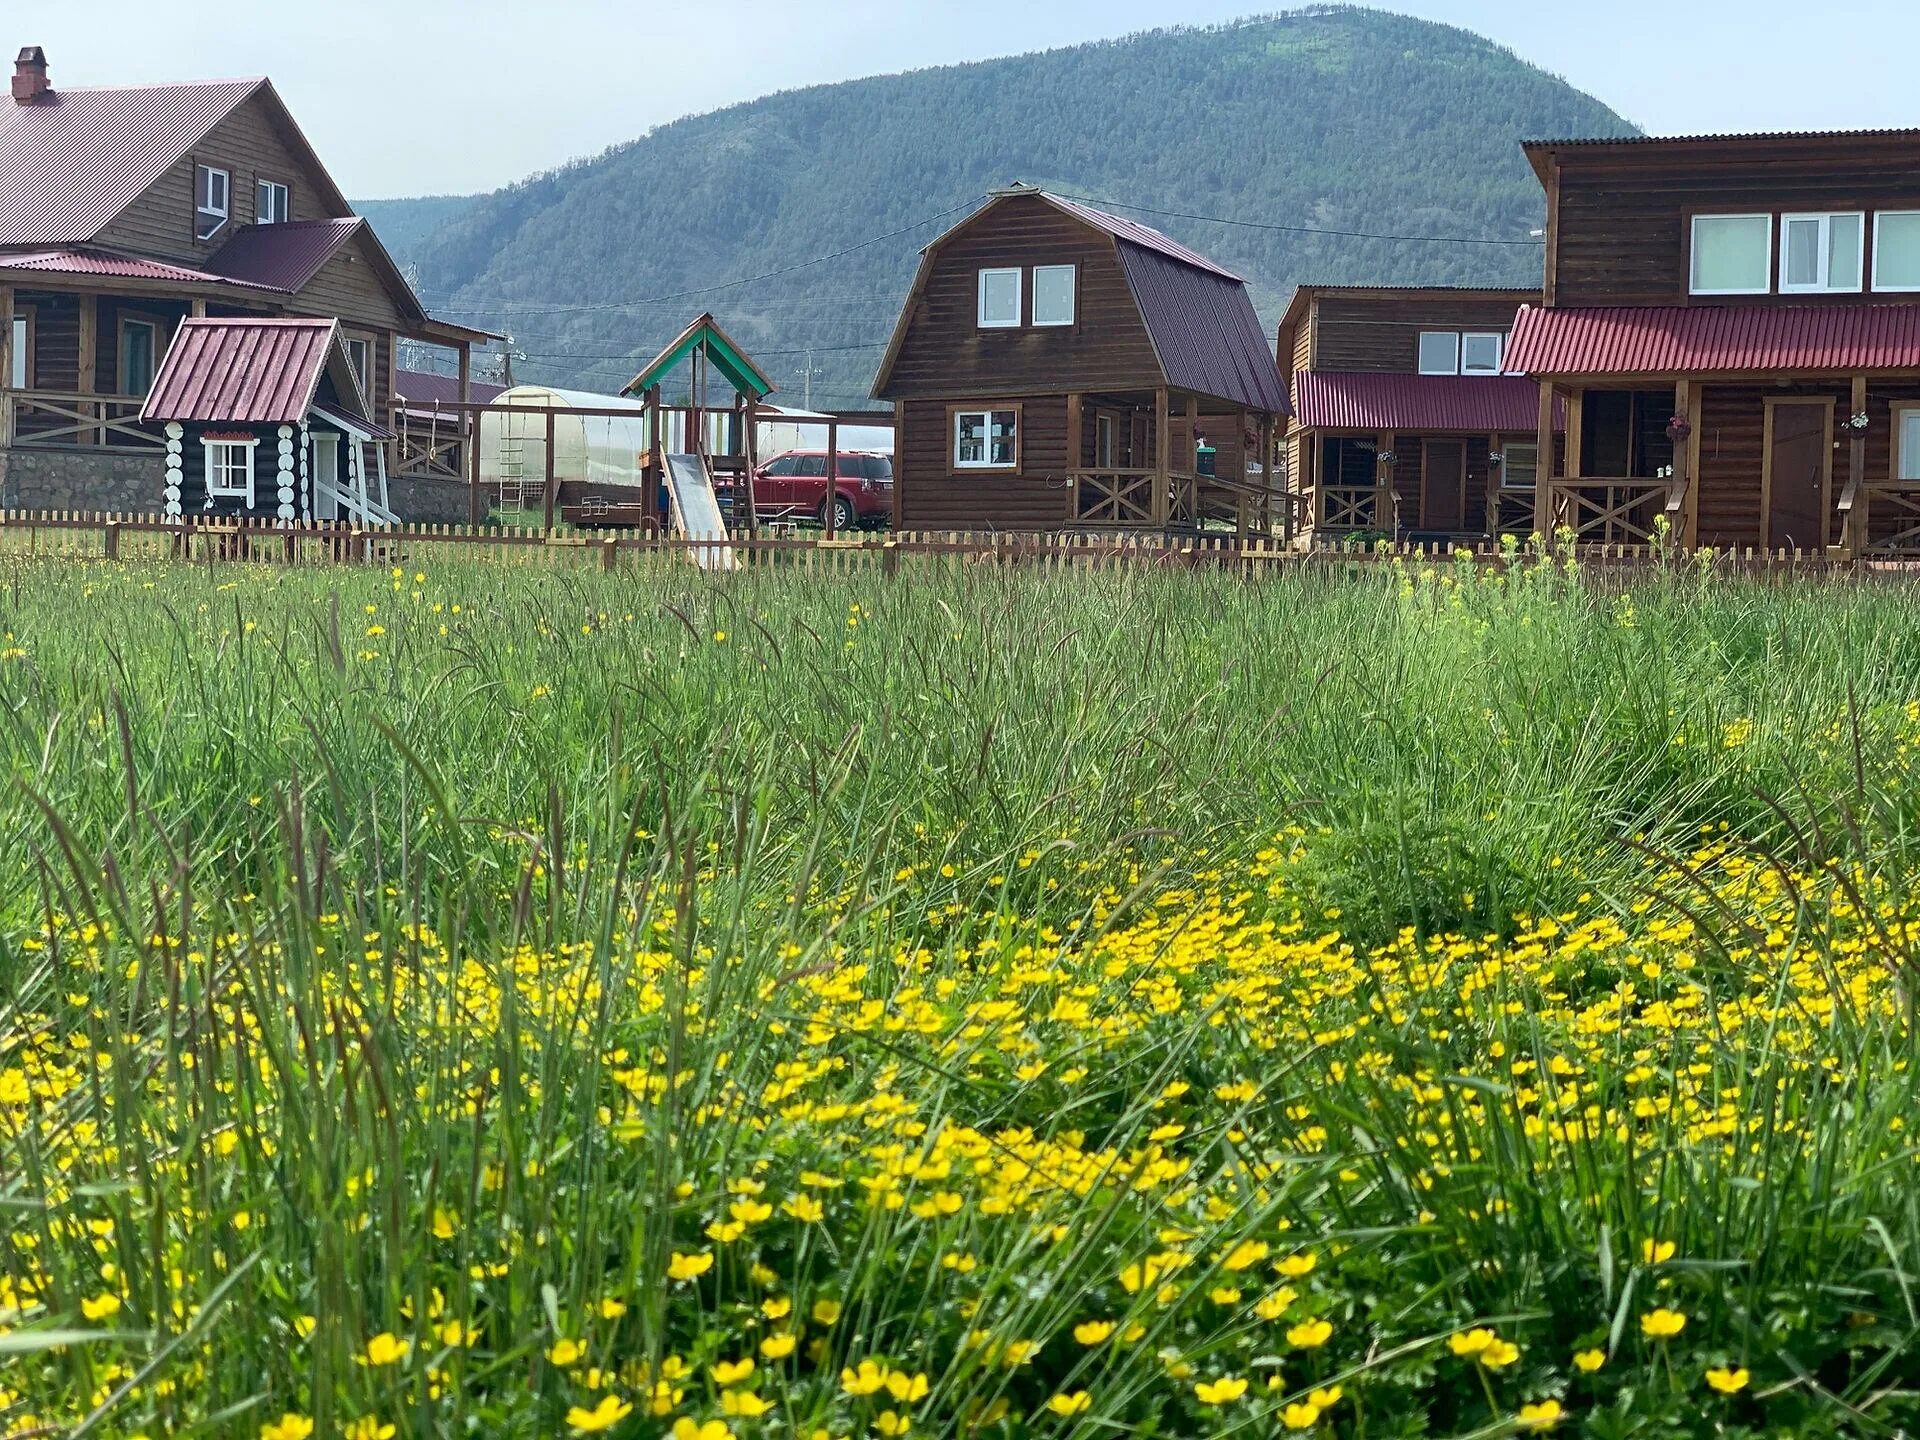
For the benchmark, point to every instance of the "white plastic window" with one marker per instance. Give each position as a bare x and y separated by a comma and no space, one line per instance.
1439,352
212,200
1896,250
999,299
230,469
1480,354
1821,252
1732,255
986,439
1053,294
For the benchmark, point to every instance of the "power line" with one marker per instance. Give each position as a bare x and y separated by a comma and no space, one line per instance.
734,284
1300,229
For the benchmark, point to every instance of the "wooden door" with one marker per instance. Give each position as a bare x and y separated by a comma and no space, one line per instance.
1443,485
1799,449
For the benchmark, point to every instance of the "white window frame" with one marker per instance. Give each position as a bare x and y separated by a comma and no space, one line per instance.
1019,298
1073,296
1693,249
1499,351
1878,216
265,189
1420,345
22,375
1901,414
985,415
366,343
1824,285
224,209
218,490
152,327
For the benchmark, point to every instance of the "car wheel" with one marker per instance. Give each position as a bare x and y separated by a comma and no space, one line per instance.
843,516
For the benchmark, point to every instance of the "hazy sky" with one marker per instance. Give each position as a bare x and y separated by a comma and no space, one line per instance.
411,96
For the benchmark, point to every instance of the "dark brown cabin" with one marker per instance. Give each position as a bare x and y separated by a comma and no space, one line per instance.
126,211
1056,367
1405,420
1732,322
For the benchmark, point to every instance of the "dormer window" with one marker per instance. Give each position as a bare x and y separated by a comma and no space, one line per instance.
212,200
273,203
1053,294
1822,252
1000,299
1732,255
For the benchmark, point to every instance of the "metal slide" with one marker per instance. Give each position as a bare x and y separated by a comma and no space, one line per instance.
696,511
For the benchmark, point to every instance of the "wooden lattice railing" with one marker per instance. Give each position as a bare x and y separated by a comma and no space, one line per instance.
60,418
1113,497
1353,507
1608,511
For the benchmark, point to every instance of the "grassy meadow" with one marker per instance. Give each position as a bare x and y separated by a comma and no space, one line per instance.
470,1000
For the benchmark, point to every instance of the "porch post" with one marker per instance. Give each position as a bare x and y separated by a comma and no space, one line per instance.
1162,455
1543,466
1384,516
1076,456
1267,468
749,461
1494,474
548,483
1859,536
84,381
1686,402
6,366
833,470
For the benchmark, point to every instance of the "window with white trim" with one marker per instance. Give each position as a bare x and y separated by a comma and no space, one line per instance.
986,439
1822,252
22,340
230,469
1000,299
212,200
272,203
1906,442
1731,255
1053,294
1439,352
1480,353
1896,250
139,345
360,357
1520,464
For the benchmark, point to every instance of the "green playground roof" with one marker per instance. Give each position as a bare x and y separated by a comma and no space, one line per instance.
704,334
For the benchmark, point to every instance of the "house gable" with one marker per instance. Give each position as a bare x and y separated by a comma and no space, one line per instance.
940,349
256,141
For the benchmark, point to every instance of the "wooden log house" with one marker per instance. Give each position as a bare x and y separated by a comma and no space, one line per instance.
1056,367
1733,323
1405,423
126,211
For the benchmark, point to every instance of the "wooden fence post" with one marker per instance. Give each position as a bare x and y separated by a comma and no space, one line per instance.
609,552
110,540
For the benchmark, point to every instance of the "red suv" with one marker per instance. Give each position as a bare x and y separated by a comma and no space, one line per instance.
795,484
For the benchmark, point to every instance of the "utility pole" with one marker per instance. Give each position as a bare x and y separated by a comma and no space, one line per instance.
807,372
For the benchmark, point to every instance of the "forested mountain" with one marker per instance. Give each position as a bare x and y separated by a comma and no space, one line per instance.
1330,119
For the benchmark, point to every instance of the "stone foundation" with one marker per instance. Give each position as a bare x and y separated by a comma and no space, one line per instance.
429,500
123,483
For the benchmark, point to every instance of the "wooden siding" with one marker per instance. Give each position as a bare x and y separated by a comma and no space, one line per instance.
1621,225
249,147
1369,333
928,494
945,353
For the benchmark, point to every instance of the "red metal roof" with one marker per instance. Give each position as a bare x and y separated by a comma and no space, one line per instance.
285,256
71,162
80,260
1135,233
1387,400
251,371
1679,340
1204,329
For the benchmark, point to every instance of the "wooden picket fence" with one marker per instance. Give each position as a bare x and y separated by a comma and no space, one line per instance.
129,537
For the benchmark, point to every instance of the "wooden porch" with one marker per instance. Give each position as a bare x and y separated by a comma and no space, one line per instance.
1170,462
1429,486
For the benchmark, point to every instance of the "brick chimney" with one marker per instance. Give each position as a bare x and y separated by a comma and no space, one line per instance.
30,76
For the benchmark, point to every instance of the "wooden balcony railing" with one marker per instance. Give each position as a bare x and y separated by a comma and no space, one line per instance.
1356,507
61,418
1608,510
1891,507
1113,497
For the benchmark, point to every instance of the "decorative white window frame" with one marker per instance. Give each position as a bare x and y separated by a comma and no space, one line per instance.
1019,297
1420,345
985,415
1824,285
224,491
203,203
265,189
1693,249
1499,351
1073,297
1874,279
1902,411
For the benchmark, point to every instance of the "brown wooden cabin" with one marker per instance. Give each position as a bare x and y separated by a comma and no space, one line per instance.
1405,422
1056,367
1733,323
125,211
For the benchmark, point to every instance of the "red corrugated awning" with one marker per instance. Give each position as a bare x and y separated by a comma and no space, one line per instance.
255,371
1368,400
1715,339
